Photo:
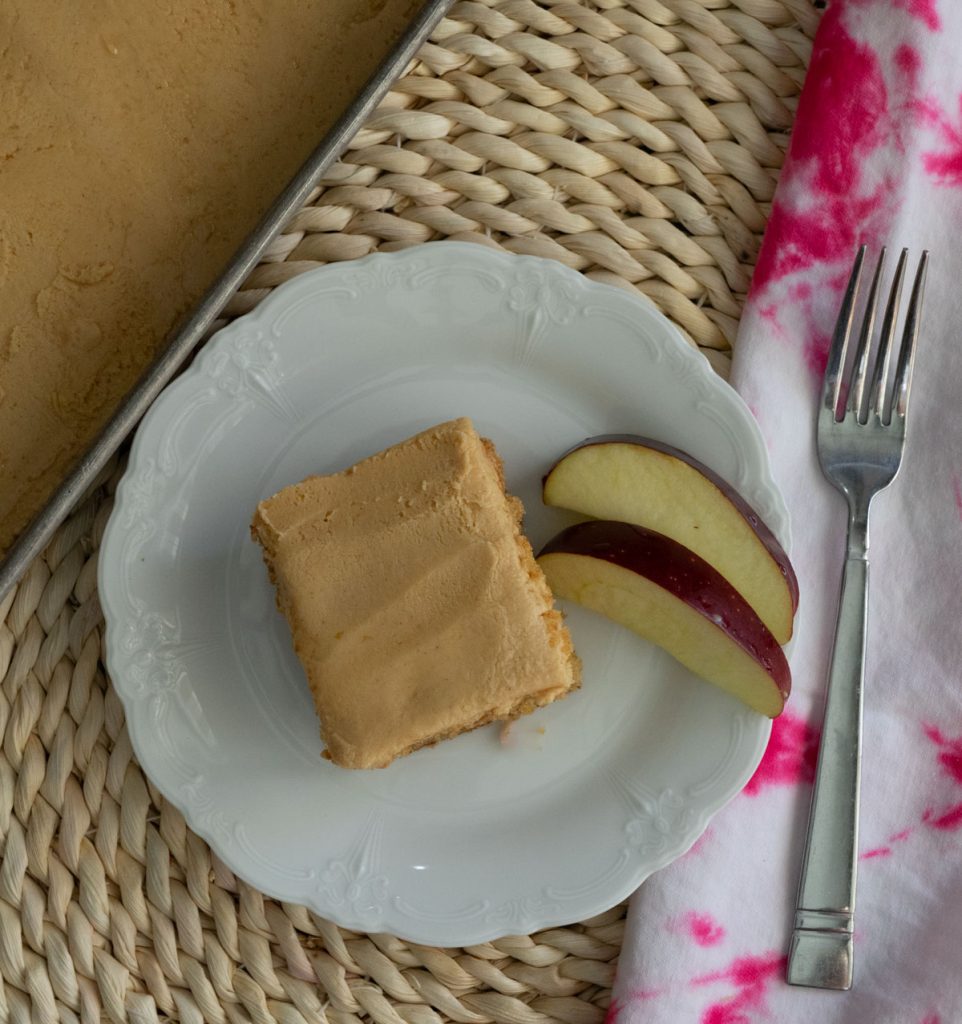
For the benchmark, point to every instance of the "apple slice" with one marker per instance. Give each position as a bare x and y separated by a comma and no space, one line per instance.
667,594
638,480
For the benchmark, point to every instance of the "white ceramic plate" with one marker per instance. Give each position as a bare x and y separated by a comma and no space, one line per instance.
471,839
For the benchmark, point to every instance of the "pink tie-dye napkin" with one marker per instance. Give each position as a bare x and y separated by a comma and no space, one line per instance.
876,156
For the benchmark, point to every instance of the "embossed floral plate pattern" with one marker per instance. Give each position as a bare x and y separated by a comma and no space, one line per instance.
474,838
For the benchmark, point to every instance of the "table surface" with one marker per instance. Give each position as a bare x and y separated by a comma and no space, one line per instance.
636,141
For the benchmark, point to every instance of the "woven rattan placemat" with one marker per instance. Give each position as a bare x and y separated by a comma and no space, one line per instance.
636,140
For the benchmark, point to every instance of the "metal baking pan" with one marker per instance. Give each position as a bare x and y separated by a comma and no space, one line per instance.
191,330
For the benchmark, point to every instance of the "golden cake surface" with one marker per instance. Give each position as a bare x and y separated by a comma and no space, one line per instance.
414,602
139,144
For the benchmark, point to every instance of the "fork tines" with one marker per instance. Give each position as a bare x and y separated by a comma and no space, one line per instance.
887,393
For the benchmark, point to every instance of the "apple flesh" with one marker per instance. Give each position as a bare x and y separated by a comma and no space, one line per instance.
642,481
672,597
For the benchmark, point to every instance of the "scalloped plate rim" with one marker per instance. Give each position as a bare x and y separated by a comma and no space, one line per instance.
261,316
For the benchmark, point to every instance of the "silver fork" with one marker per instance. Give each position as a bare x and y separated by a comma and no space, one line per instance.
860,450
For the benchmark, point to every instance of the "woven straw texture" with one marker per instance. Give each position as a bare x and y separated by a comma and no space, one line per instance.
636,140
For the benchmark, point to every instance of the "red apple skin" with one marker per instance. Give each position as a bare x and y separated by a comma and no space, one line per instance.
764,534
684,575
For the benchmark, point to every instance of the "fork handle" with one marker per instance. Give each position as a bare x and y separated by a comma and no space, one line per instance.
820,955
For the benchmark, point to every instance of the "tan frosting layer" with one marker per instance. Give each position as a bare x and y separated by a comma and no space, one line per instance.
139,144
414,601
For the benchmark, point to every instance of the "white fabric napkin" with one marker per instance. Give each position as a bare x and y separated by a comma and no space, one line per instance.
876,156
